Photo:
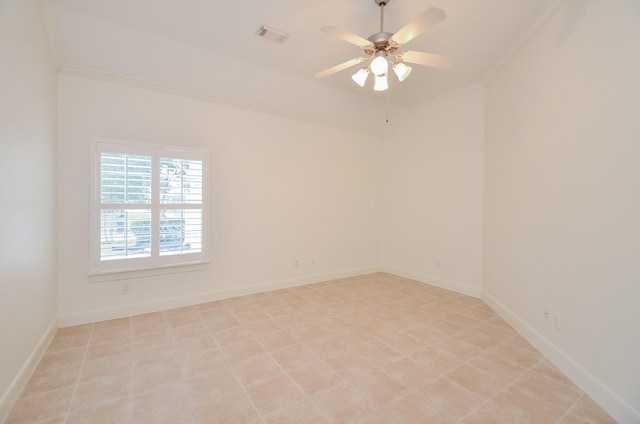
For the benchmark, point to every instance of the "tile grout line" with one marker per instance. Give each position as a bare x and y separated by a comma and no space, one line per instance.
568,412
130,373
67,414
285,372
509,385
228,364
182,372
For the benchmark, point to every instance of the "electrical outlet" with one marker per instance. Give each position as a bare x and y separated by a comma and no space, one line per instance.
124,288
296,263
546,314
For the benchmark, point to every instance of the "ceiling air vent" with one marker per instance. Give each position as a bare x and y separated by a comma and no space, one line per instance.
272,34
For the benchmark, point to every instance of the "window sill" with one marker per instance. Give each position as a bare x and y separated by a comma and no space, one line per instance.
115,275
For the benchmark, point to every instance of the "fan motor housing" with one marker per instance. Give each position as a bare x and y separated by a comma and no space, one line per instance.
381,41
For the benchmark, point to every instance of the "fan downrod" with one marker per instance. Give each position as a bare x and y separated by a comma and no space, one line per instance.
381,40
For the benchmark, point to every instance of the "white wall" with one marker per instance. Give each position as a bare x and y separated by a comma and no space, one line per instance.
281,190
562,199
433,188
27,184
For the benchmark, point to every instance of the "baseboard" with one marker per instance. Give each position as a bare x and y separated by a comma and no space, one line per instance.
601,394
437,282
20,381
177,302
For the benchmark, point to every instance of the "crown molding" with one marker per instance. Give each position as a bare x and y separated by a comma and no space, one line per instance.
524,37
168,88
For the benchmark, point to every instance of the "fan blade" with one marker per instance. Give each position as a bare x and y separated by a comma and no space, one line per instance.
428,19
426,59
347,36
340,67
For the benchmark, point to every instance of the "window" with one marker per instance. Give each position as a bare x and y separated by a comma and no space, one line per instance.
149,206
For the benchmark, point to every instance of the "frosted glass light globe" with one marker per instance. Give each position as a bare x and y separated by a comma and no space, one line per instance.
402,71
379,65
360,77
381,83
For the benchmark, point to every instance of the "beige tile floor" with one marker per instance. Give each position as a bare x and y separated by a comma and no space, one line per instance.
370,349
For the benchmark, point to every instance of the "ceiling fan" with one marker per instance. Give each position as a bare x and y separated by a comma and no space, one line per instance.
384,49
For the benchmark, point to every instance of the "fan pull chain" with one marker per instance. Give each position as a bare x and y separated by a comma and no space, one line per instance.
387,105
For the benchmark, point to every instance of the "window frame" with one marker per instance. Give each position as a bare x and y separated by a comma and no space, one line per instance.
155,260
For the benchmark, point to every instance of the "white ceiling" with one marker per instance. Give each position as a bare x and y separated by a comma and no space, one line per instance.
476,34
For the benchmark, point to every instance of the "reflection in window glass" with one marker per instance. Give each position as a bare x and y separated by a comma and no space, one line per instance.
180,231
125,233
180,181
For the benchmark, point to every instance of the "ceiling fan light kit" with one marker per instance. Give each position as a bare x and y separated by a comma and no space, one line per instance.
381,83
402,71
361,76
380,65
382,49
